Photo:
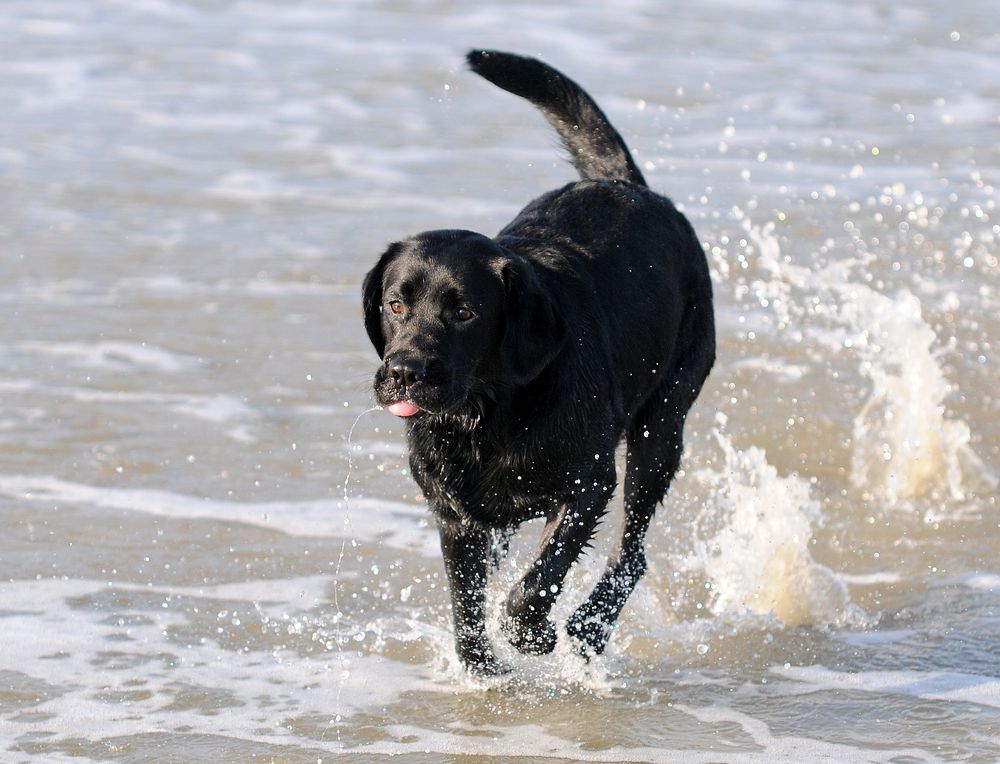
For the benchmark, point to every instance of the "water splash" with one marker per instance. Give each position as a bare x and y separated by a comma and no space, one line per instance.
753,542
905,447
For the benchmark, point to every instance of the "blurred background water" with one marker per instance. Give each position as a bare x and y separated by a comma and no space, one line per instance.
211,547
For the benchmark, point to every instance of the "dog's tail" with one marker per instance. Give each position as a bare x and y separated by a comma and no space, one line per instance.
595,148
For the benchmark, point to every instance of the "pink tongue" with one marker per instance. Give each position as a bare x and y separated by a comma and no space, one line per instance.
402,408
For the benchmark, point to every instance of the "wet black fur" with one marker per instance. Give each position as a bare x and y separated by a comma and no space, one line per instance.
593,324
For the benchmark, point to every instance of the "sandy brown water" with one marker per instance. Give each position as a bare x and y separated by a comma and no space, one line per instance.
212,548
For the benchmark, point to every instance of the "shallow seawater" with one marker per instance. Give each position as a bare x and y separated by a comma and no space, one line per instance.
211,547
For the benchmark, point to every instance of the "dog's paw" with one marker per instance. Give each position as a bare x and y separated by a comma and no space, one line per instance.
487,666
590,634
537,638
479,659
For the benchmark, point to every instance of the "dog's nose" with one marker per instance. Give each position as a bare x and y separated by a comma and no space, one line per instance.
407,371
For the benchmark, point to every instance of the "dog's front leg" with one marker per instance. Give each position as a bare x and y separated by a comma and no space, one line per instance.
528,626
466,551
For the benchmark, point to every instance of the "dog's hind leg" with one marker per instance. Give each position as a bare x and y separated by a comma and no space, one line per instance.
651,465
655,442
527,625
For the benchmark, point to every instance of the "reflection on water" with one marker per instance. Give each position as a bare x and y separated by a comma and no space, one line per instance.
212,546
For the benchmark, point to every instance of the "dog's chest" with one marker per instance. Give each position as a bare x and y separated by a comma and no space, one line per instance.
468,475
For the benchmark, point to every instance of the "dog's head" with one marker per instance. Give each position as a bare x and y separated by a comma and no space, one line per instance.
455,318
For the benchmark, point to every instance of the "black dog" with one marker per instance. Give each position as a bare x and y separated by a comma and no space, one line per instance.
523,360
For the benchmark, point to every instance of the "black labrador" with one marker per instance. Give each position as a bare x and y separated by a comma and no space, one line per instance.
522,361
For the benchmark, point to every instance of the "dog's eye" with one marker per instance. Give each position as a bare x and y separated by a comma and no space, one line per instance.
464,314
397,307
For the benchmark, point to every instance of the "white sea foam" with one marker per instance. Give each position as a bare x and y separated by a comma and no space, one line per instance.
932,685
219,122
229,286
274,288
985,581
217,409
531,740
788,748
867,638
872,579
394,524
247,185
261,691
116,355
270,685
74,292
357,162
16,385
242,434
210,408
302,592
214,408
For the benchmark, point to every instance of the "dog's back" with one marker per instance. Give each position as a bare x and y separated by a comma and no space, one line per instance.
633,253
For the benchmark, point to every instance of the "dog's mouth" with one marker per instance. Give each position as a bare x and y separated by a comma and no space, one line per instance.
432,396
403,409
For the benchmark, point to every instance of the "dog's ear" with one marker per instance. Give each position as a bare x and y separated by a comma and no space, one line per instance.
372,298
534,332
